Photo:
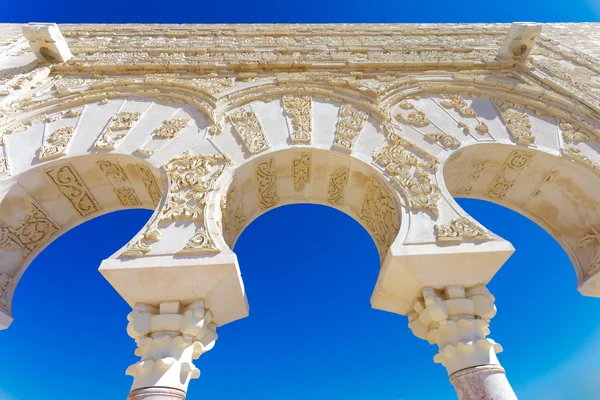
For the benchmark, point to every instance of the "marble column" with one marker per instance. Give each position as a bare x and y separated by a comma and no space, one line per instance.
169,338
457,320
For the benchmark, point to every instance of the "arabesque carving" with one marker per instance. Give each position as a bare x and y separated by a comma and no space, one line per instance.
460,105
337,187
447,141
460,229
592,239
508,174
301,171
72,187
351,122
410,168
119,181
574,133
58,143
517,121
150,183
248,127
267,186
380,215
116,129
299,110
170,128
30,234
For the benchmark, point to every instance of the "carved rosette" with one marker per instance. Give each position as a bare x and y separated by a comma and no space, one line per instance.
411,169
299,110
267,185
248,127
169,338
351,122
57,145
116,129
120,182
70,184
461,229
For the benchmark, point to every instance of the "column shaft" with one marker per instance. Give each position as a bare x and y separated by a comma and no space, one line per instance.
485,382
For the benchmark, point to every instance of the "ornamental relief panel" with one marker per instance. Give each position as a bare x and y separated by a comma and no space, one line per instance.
337,186
249,129
517,122
192,178
579,157
70,184
301,171
170,128
30,234
379,214
574,133
267,185
121,185
411,170
470,178
299,111
592,239
149,181
350,123
508,175
234,216
57,143
461,229
116,129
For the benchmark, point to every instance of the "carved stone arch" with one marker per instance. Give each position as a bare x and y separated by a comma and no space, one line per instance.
45,201
291,149
558,194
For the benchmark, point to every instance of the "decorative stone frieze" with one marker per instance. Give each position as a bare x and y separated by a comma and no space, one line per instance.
119,181
169,338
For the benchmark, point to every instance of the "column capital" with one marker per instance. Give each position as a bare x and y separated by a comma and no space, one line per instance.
457,320
170,337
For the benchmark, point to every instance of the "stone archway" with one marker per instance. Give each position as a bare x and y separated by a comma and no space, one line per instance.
388,141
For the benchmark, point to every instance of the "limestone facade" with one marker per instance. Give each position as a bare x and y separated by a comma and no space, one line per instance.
213,125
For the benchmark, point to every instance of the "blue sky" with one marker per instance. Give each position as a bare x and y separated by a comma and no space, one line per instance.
311,333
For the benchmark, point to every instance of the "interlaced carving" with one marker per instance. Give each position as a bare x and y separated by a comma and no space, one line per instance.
301,171
170,128
337,187
517,121
150,183
508,174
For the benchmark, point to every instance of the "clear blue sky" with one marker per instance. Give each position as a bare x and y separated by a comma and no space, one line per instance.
311,333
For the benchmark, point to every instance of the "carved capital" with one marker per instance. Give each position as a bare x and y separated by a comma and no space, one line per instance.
169,338
457,320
